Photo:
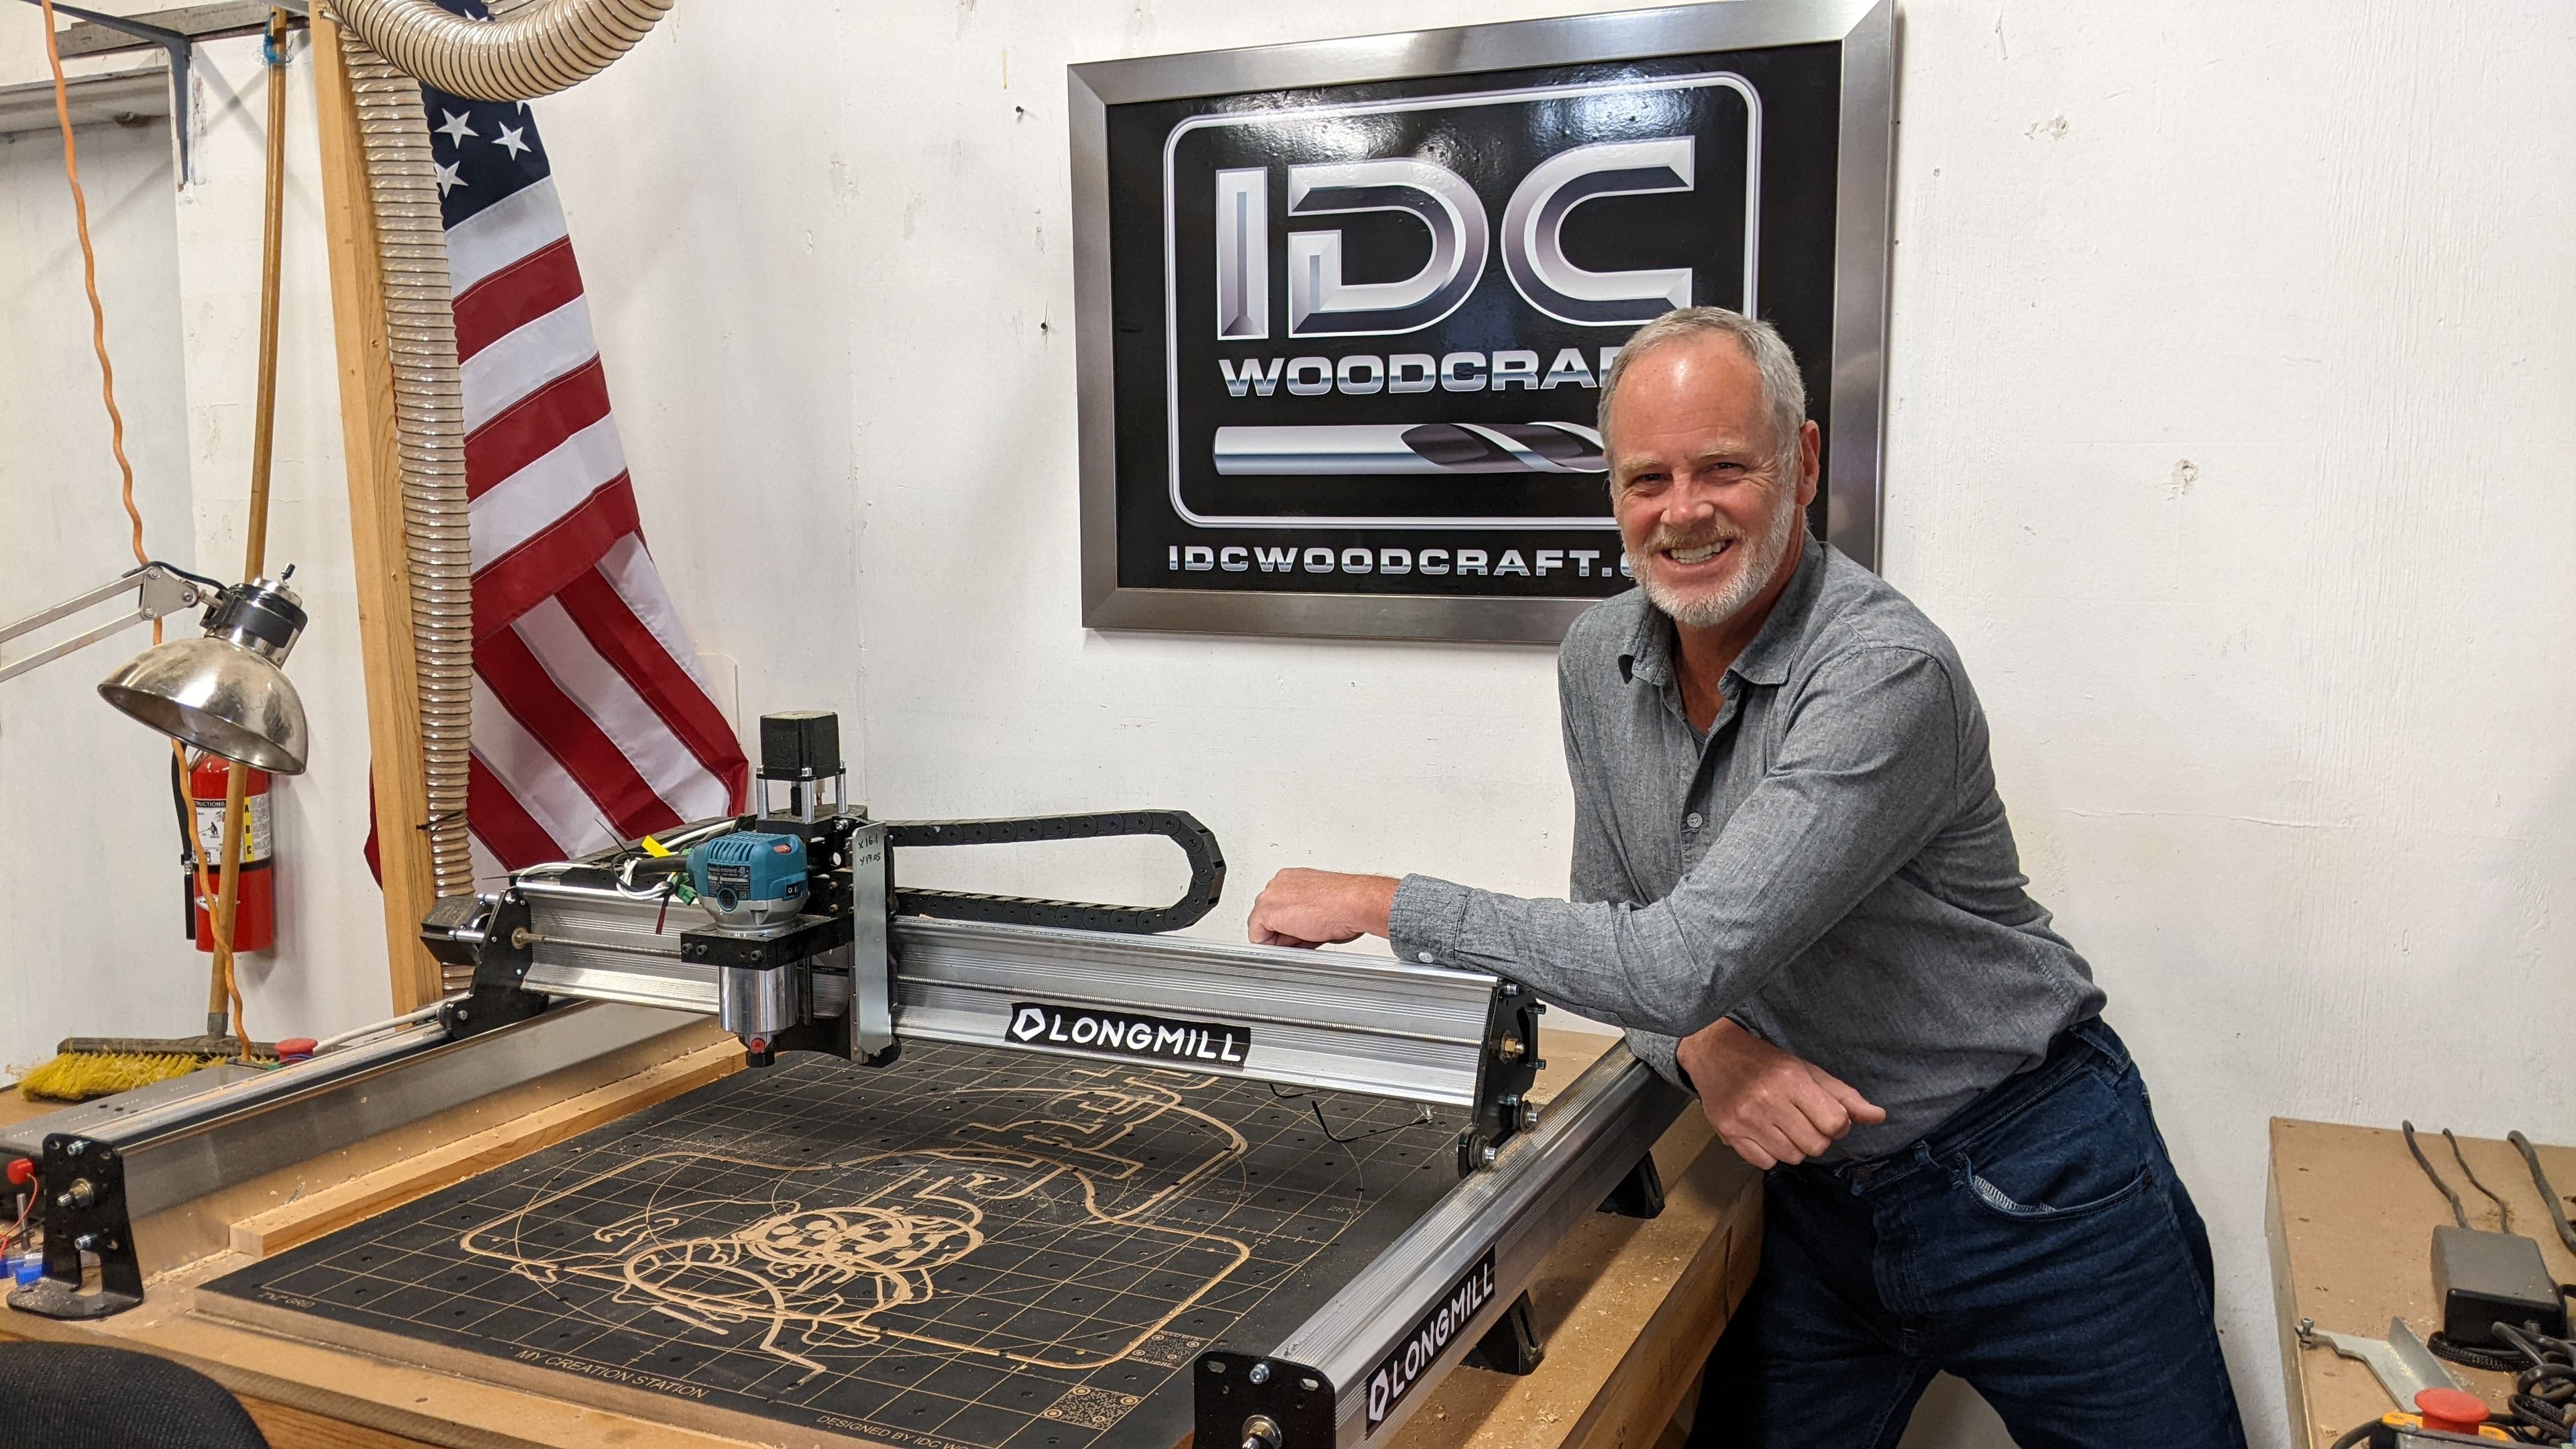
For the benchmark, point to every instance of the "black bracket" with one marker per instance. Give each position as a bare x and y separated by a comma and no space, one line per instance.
182,51
500,962
1512,1345
80,1200
1509,1069
812,936
1640,1194
1240,1399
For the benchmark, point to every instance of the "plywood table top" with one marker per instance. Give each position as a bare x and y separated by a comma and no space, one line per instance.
2351,1222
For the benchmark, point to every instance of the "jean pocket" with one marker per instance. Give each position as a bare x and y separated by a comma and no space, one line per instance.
1995,1199
2082,1147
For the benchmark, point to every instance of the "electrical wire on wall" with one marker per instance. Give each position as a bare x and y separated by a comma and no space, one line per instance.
224,1000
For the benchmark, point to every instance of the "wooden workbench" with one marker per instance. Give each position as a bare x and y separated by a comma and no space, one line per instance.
2350,1218
1628,1308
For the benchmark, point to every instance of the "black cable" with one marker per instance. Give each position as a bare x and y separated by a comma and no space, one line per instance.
1422,1118
2357,1434
2544,1393
2494,1360
2548,1195
2461,1158
2458,1212
2543,1402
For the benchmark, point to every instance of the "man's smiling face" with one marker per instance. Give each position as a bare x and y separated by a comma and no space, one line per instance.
1708,498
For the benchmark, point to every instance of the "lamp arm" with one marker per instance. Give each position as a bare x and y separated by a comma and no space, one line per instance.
159,589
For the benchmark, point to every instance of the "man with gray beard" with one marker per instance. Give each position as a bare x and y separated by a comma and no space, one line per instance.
1795,888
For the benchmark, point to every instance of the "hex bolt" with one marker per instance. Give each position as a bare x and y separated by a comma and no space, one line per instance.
1529,1116
1260,1373
86,1242
1262,1432
82,1194
1486,1154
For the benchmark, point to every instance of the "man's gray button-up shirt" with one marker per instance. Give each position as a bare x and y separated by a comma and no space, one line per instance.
1829,865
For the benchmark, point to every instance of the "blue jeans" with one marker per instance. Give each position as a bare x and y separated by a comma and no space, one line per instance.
2037,1244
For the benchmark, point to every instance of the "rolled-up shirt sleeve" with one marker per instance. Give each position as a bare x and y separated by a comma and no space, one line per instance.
1856,790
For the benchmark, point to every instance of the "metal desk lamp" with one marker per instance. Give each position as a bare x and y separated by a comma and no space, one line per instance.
223,692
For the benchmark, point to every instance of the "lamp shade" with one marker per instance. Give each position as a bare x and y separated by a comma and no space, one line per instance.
224,692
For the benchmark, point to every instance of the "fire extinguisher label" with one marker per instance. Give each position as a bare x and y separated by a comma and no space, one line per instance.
256,843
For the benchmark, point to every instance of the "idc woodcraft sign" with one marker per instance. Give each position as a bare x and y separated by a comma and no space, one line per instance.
1345,307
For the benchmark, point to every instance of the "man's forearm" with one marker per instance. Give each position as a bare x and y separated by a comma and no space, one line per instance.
1630,966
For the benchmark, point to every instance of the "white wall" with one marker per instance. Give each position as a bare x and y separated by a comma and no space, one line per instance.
88,791
2230,380
91,844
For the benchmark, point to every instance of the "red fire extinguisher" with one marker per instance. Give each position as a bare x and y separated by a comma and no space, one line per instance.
255,913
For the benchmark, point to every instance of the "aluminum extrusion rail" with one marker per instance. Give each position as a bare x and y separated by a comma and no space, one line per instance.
1355,1369
183,1149
1323,1020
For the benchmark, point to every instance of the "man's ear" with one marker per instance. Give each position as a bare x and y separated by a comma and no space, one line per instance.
1811,445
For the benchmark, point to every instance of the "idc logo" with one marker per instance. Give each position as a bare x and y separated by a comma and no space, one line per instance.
1370,304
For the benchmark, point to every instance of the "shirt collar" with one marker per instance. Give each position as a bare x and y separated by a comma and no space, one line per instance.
1649,654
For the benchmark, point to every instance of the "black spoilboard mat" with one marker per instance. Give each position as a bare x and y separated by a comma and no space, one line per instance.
972,1249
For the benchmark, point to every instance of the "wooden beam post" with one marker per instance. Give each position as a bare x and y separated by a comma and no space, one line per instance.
376,527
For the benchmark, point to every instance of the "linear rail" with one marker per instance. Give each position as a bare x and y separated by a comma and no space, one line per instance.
1353,1372
1327,1021
182,1149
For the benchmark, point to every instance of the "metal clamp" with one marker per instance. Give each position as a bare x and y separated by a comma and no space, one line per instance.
2401,1362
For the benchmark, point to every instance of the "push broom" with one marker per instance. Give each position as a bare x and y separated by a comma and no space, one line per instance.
87,1067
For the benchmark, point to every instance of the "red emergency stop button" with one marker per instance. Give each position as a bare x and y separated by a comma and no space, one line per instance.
2452,1410
22,1172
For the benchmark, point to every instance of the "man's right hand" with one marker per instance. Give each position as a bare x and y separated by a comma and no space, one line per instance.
1771,1107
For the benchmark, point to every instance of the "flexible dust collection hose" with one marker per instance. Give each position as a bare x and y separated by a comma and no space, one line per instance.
391,47
429,427
535,50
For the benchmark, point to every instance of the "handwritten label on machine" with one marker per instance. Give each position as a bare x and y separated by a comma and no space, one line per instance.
1152,1038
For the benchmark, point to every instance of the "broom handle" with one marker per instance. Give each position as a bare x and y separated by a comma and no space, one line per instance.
226,990
236,786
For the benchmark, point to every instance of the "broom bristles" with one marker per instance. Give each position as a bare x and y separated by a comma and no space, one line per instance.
80,1076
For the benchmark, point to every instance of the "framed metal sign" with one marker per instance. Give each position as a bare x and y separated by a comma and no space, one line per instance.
1343,308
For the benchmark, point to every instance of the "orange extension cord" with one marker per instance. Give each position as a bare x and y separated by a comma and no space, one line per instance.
125,470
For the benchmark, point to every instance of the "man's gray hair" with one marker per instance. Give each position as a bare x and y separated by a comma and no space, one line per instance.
1784,391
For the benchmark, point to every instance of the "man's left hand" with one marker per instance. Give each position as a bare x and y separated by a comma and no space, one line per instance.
1319,907
1773,1108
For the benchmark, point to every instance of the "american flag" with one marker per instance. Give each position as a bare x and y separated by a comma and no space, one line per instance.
592,719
